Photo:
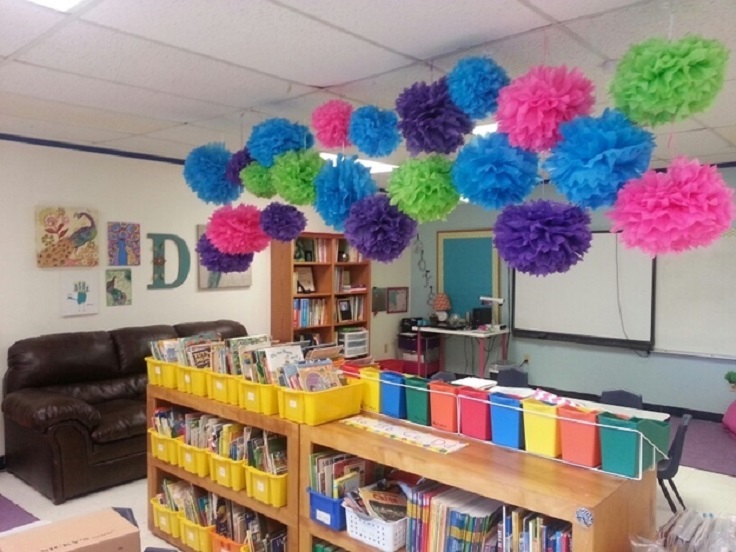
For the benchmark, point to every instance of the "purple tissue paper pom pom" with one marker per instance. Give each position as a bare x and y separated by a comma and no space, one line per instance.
215,261
282,222
378,230
237,163
542,237
429,121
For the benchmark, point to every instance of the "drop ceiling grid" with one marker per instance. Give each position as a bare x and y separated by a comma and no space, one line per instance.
21,22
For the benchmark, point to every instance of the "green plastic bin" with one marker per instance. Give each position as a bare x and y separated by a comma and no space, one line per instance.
417,400
620,450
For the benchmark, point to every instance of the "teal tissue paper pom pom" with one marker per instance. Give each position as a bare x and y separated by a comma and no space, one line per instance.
339,186
375,132
474,84
273,137
205,172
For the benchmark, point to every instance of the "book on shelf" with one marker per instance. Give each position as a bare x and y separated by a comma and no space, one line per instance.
275,358
304,279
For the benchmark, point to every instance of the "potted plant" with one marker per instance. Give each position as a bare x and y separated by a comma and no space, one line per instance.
731,379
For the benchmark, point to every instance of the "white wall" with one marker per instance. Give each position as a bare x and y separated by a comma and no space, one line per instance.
150,193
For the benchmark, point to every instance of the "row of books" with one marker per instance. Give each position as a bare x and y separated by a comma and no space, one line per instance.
336,473
309,312
343,281
231,520
169,422
350,308
312,375
312,250
188,351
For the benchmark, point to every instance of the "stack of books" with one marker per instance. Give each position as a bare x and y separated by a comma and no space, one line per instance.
334,474
169,422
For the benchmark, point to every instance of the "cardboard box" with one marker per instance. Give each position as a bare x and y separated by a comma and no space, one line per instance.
101,531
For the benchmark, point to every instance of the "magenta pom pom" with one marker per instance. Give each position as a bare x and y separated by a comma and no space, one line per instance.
283,222
532,108
667,212
237,230
331,121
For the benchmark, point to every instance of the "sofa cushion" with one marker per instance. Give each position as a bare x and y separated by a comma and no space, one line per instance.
133,345
120,419
128,387
39,409
226,328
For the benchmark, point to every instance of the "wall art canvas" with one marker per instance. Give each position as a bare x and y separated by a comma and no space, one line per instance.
79,292
66,236
123,244
220,280
118,287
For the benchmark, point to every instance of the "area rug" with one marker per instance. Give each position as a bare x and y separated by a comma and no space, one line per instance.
12,515
707,447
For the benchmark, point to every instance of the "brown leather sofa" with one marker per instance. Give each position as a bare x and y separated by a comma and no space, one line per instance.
74,406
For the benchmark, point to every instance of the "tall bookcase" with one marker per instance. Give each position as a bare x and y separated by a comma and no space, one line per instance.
341,277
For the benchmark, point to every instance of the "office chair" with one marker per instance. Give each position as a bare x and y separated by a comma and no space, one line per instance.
443,376
513,377
620,397
667,468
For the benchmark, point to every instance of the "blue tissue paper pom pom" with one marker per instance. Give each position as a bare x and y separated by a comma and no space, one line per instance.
474,84
375,132
273,137
597,156
205,172
339,186
492,173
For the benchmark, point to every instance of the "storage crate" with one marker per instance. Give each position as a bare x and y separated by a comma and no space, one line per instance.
258,397
541,428
507,421
223,544
266,487
327,511
475,413
354,344
226,472
443,401
161,373
165,448
195,381
417,400
196,536
383,535
393,395
408,342
581,442
371,388
194,459
622,451
224,388
319,407
165,519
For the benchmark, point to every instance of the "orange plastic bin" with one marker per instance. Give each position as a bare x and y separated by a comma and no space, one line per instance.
581,442
443,405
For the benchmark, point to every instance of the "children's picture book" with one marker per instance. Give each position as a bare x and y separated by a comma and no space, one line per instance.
341,486
275,358
243,347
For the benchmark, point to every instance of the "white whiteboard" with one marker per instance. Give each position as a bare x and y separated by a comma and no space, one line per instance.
606,298
696,300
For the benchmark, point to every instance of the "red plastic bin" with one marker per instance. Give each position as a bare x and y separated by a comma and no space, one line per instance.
475,413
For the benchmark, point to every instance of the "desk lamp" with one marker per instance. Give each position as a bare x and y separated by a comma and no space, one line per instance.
442,307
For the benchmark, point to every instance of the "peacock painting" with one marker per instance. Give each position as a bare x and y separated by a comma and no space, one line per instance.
118,287
66,236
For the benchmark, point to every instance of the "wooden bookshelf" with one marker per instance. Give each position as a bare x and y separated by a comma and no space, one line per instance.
329,248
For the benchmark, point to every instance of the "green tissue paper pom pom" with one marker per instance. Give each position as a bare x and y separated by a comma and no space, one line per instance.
293,174
257,180
658,81
422,188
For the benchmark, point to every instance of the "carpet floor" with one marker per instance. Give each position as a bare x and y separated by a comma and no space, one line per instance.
12,515
708,446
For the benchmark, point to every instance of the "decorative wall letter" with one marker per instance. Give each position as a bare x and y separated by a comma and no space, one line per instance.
159,261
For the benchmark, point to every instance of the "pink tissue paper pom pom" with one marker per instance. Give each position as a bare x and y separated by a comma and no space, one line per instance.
688,206
532,108
331,122
237,230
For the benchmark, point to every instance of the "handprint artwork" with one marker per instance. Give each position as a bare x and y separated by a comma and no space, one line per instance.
78,293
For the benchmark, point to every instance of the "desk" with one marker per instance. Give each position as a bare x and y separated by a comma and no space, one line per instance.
480,335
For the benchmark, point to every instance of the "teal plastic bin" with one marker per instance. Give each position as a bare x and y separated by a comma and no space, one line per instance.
621,450
417,400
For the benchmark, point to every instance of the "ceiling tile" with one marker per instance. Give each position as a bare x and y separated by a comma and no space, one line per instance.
34,108
21,22
299,109
722,112
36,128
426,29
691,144
726,157
562,10
86,49
197,136
152,146
257,34
729,133
681,126
48,84
239,122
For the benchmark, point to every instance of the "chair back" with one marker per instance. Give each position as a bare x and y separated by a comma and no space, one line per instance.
670,467
443,376
513,377
621,397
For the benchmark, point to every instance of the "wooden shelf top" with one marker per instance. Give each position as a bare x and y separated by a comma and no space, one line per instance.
362,291
302,328
312,295
312,263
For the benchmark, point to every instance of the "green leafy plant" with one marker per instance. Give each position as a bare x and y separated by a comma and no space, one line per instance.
731,377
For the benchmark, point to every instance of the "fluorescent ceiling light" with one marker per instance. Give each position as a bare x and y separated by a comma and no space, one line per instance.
481,130
375,166
58,5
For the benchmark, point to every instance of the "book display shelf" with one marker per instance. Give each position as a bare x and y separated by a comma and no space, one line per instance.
319,287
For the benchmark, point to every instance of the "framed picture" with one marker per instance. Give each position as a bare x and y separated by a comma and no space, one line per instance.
398,299
221,280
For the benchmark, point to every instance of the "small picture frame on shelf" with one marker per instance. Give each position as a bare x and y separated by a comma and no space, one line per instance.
398,299
308,256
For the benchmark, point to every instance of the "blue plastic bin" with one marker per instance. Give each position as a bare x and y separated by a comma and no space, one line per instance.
507,423
327,511
393,395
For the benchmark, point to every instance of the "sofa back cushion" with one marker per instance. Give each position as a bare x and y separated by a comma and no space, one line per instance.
58,359
131,387
133,345
226,328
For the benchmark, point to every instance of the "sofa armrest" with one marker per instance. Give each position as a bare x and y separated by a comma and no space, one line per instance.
39,409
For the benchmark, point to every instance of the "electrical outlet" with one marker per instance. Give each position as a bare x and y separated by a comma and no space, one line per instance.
527,359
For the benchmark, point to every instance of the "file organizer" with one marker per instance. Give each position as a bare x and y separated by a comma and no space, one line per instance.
417,400
161,373
195,381
621,451
223,544
165,519
443,403
320,407
196,536
371,389
475,413
258,397
327,511
508,421
165,448
226,472
581,442
393,395
541,428
194,459
224,388
266,487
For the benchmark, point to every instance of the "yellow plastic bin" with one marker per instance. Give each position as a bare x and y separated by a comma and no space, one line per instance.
320,407
266,487
195,381
165,519
196,536
258,397
224,388
541,428
226,472
194,460
161,373
371,378
165,448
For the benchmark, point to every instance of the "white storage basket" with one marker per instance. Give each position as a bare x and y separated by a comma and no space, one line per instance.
383,535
